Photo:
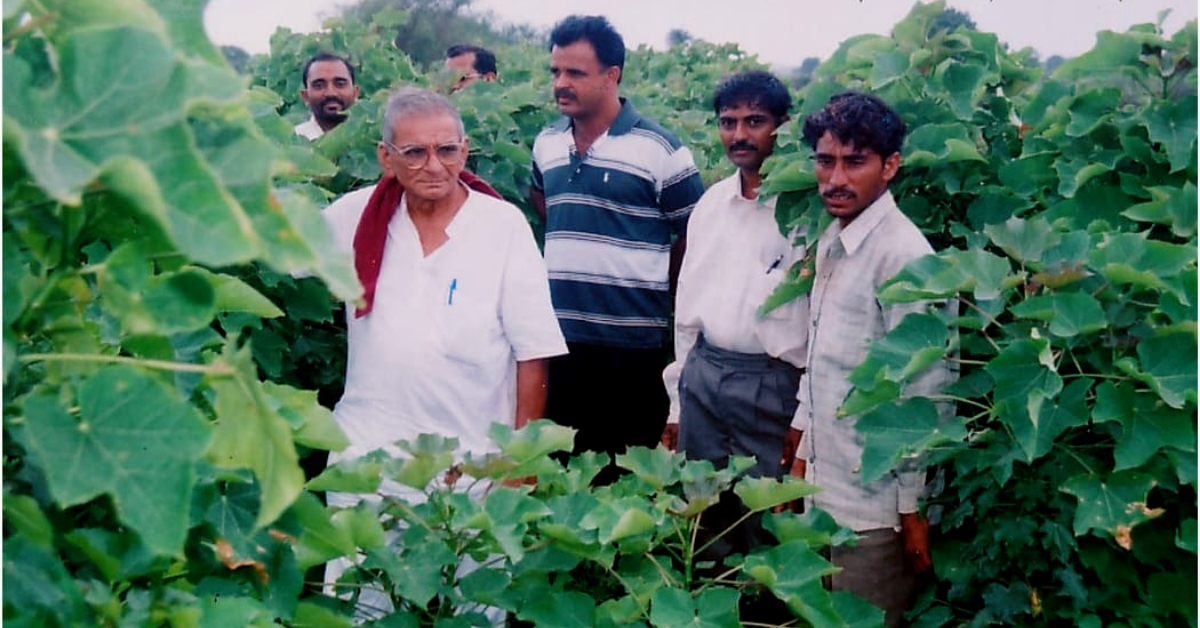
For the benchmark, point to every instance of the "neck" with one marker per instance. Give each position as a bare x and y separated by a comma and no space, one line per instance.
587,129
436,210
327,126
750,183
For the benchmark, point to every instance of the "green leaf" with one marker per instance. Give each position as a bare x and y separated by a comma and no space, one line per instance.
1132,258
565,609
23,514
814,527
1186,539
538,438
134,440
1069,313
250,434
1024,240
430,456
759,494
1168,366
796,282
855,611
180,301
621,519
509,513
894,432
711,608
235,295
356,475
938,144
320,540
1023,371
793,572
1114,505
1091,109
313,425
1146,426
1171,206
657,467
1037,437
1172,123
917,343
945,275
416,572
888,66
308,615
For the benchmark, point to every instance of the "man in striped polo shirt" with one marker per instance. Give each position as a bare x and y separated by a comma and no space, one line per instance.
615,190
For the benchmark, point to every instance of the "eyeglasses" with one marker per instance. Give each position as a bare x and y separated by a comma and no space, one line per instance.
415,157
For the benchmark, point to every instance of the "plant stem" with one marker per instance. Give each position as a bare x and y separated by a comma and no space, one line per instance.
218,370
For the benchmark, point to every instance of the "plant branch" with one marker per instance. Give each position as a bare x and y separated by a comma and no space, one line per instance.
216,370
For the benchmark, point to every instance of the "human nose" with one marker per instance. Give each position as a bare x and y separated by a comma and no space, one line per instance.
837,174
741,131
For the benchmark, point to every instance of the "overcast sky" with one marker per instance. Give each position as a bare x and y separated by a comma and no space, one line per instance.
780,32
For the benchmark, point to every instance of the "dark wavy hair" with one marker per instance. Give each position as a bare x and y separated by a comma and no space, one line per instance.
325,55
860,120
755,88
595,29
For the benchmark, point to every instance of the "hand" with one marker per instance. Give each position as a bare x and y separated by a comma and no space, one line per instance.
914,531
670,436
793,465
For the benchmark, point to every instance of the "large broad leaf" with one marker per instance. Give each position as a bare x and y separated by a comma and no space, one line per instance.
561,609
1132,258
938,144
134,440
793,573
1172,123
508,515
1168,366
119,106
939,276
918,342
711,608
1113,505
1146,425
814,527
895,432
1069,313
1174,207
1036,434
1024,240
759,494
251,435
657,467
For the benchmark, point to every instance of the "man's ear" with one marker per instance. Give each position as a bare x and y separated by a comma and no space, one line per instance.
381,152
357,90
891,166
614,74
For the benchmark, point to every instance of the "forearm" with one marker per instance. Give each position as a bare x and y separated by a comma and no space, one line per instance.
531,391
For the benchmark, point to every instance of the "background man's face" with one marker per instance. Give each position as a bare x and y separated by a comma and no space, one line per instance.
464,66
330,91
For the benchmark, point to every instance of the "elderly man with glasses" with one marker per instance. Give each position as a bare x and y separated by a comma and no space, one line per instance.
455,324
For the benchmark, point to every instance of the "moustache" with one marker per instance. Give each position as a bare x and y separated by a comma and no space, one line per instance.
333,99
742,146
839,191
564,93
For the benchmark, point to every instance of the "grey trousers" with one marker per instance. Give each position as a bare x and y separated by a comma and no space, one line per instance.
875,570
735,404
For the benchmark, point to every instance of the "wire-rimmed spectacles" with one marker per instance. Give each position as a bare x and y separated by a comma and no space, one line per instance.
416,156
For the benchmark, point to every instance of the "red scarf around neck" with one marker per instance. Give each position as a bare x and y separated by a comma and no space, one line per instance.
371,235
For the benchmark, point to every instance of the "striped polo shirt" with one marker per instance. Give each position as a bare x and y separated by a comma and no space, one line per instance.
611,215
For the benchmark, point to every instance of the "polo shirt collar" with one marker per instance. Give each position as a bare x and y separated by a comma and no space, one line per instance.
854,235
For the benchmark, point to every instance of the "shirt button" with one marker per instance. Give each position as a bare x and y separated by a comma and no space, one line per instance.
856,470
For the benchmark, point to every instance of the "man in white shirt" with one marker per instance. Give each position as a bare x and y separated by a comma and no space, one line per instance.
856,139
734,380
456,323
328,90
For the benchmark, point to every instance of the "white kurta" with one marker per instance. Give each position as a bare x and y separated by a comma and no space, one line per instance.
439,350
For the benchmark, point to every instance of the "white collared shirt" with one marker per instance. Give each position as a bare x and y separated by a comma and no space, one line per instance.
439,350
309,129
735,258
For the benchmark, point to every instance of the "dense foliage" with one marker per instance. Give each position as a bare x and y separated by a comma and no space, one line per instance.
162,359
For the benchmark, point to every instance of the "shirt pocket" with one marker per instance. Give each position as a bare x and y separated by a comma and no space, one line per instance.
469,327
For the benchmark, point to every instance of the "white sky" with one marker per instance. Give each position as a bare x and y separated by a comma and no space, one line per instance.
780,32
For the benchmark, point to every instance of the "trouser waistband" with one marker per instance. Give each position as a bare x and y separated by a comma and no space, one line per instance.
740,361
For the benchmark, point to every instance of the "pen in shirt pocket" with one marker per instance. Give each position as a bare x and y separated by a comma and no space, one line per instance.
775,264
450,293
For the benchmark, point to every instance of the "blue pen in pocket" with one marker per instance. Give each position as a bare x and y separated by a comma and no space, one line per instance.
450,294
